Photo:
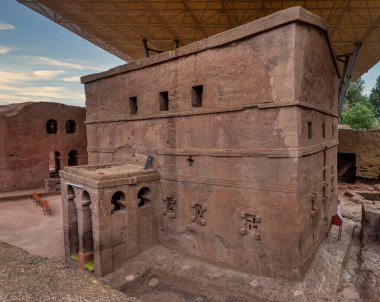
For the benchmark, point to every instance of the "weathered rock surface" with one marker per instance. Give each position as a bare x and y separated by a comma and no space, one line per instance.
369,272
24,277
366,145
371,222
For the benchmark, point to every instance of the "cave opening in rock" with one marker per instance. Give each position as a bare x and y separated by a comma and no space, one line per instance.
347,167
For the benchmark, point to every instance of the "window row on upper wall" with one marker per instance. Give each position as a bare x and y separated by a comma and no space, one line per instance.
52,126
310,130
163,100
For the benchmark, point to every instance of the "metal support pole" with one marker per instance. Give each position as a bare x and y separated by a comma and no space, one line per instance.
347,76
176,44
345,59
145,45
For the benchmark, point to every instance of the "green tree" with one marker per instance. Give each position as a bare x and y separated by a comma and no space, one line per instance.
374,97
354,93
360,116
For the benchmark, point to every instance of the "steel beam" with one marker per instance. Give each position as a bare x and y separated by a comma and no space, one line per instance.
347,76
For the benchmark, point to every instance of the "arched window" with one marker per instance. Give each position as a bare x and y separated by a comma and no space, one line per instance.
117,201
51,127
73,158
86,199
144,196
71,126
70,192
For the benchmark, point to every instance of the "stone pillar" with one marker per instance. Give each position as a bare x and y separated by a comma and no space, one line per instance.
66,215
102,235
72,224
86,248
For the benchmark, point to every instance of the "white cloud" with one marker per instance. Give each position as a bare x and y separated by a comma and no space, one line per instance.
41,92
47,74
6,26
10,77
8,99
21,86
7,87
13,76
72,79
57,92
63,64
4,50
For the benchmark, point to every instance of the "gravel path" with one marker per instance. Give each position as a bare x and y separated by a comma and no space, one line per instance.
25,278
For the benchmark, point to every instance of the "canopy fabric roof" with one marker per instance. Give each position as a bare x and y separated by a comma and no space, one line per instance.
119,26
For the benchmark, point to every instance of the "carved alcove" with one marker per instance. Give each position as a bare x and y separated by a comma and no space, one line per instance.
251,224
199,213
170,207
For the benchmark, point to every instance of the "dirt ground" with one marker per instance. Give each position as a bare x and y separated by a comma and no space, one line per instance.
24,225
27,278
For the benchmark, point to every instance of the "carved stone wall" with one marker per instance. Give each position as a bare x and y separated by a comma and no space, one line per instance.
28,143
248,125
365,145
108,219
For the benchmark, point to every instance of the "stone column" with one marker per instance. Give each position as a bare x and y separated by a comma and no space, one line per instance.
73,224
102,235
86,248
66,224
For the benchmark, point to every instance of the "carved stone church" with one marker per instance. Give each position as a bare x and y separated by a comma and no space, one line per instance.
242,130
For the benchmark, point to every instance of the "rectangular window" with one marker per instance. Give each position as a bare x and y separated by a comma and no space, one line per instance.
197,96
133,105
309,130
323,130
164,101
332,130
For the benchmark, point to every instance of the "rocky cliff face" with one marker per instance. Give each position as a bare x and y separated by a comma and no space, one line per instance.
365,144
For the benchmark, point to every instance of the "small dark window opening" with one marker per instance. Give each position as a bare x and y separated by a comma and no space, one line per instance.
332,130
309,130
197,96
51,127
71,126
117,202
133,105
323,130
143,196
164,101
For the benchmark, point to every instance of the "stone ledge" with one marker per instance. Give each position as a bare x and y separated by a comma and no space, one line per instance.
291,152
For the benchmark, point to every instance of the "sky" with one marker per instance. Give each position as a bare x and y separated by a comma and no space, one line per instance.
42,61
